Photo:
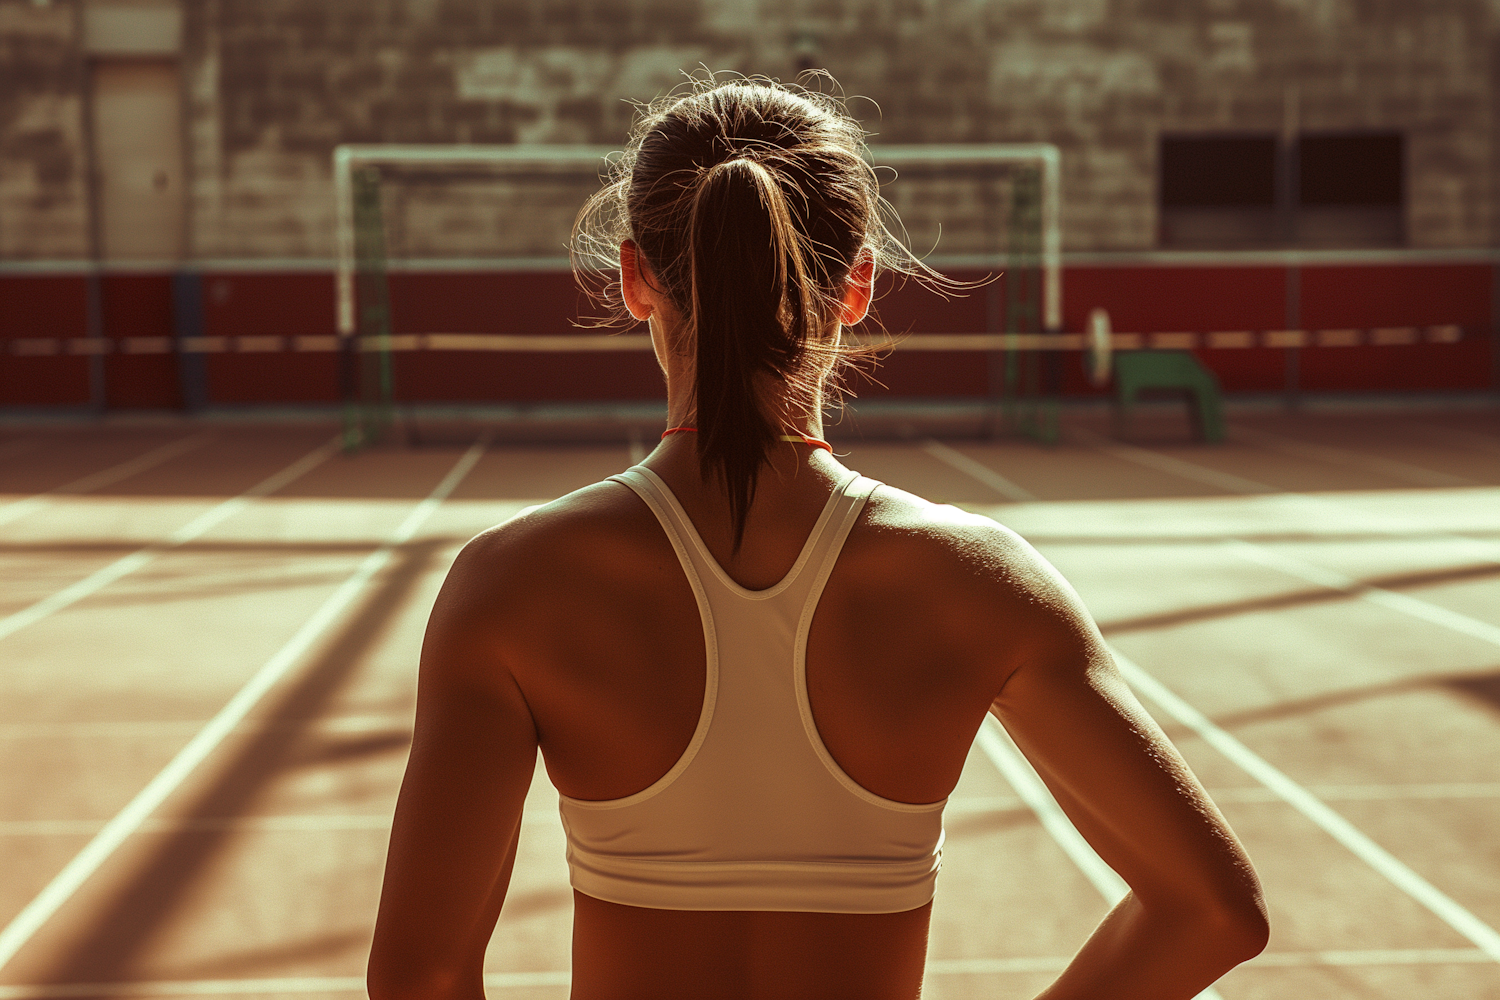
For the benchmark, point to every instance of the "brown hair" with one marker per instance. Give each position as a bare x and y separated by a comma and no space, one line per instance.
750,202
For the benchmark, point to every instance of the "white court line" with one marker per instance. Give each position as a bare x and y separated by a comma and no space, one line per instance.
320,822
309,823
1010,761
1283,959
1391,956
222,987
1265,556
1351,837
108,477
1403,877
1237,484
154,727
129,819
125,565
502,980
1394,468
1370,793
1482,442
637,449
1017,770
977,470
1390,599
1003,753
1190,471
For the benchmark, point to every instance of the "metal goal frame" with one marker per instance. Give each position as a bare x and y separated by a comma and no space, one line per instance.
1020,360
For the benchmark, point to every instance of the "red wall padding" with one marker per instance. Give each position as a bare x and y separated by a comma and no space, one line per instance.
139,305
1177,299
285,304
43,305
1140,299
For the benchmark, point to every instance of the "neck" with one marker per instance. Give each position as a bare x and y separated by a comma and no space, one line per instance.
809,425
682,408
806,439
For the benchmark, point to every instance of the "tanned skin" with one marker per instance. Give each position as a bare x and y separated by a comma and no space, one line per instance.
574,630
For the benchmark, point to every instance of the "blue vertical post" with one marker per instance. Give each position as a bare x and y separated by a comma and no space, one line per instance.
1292,390
1495,322
94,312
187,327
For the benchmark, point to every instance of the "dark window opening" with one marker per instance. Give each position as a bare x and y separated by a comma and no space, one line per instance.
1357,169
1219,191
1324,190
1203,171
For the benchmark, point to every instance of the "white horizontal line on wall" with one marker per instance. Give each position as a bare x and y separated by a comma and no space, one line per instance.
574,342
560,262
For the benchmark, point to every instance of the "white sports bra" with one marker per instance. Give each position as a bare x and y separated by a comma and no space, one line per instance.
756,814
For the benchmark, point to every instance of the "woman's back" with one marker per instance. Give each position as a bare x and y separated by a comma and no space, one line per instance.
747,231
604,631
607,614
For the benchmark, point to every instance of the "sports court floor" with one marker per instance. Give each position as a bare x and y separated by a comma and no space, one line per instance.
208,637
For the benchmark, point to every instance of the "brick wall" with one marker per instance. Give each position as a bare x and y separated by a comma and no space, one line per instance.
271,86
43,203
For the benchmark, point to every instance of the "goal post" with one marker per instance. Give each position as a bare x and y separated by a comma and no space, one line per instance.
993,207
366,369
349,158
1045,158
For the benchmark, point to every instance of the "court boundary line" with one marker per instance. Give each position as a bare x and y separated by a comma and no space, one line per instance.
98,850
1475,440
1434,614
1017,770
1356,841
1456,916
978,471
1329,454
1391,600
14,510
125,565
335,822
1181,468
1332,958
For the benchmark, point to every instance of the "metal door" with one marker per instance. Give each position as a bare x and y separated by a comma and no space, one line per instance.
138,151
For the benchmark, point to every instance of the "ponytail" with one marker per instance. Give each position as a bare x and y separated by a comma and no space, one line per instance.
753,309
750,201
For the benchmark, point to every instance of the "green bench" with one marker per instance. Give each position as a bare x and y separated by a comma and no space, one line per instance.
1176,371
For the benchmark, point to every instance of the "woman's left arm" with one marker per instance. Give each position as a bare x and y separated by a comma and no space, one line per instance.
453,842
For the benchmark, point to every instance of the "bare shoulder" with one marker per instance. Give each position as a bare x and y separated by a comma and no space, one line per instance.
523,564
982,578
572,523
956,545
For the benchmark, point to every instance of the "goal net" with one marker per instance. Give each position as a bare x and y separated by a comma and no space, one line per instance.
995,208
991,208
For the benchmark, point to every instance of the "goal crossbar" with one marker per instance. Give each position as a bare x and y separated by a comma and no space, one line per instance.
348,158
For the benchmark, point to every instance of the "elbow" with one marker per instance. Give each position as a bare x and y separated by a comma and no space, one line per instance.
1256,930
385,983
396,980
1225,928
1239,928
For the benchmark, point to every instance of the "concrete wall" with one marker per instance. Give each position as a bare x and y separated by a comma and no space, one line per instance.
43,187
271,86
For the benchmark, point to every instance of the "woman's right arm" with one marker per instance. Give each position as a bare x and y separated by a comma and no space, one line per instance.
1194,910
